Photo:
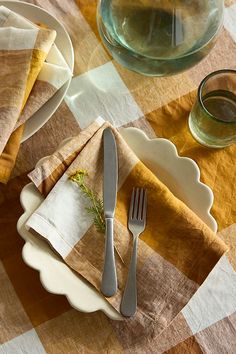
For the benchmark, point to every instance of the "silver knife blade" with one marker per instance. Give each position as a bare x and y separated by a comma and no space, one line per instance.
110,177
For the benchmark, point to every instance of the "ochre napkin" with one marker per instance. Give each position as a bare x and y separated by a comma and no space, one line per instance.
26,80
176,252
9,154
22,53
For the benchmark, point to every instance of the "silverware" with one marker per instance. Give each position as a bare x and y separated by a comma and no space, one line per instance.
110,179
136,224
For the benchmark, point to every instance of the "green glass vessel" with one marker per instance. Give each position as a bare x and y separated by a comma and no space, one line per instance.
212,120
159,37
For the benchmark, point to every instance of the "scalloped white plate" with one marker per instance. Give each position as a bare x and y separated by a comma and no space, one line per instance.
180,174
37,14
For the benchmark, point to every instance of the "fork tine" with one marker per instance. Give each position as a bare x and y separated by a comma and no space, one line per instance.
144,206
135,215
131,207
140,209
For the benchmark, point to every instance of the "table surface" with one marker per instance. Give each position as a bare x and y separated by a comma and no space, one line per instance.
30,317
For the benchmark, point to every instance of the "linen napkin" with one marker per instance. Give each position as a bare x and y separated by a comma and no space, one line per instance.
23,50
176,252
53,75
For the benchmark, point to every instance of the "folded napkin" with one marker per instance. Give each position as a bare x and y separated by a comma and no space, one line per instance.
26,80
176,252
53,75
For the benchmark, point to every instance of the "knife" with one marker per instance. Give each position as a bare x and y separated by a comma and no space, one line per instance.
110,180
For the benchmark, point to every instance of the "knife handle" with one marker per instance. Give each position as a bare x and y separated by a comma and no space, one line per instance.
109,278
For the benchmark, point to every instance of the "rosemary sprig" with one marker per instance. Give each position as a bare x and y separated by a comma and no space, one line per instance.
96,207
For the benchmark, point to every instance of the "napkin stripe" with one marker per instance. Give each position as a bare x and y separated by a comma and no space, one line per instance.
49,74
45,176
207,341
209,338
12,312
228,236
229,22
12,19
25,342
109,94
75,327
12,96
18,39
36,63
189,346
88,10
222,276
176,332
44,40
9,154
41,92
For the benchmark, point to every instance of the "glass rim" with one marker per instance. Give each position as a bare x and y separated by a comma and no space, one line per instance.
201,86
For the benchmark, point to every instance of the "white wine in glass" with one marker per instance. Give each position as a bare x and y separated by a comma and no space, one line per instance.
159,37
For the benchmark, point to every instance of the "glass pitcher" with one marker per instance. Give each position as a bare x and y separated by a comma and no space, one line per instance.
159,37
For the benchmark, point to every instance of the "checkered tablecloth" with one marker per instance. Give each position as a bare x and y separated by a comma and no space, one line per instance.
34,321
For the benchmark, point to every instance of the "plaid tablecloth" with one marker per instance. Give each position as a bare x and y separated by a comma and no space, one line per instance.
34,321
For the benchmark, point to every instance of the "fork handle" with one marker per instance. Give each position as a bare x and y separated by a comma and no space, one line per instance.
129,300
109,278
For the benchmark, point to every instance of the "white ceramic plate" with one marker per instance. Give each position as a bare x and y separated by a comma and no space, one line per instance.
63,42
180,174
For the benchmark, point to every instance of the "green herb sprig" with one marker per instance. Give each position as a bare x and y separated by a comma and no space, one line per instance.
96,207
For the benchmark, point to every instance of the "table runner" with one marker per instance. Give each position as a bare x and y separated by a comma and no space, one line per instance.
31,317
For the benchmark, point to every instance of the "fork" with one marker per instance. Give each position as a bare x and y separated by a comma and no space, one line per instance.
136,224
